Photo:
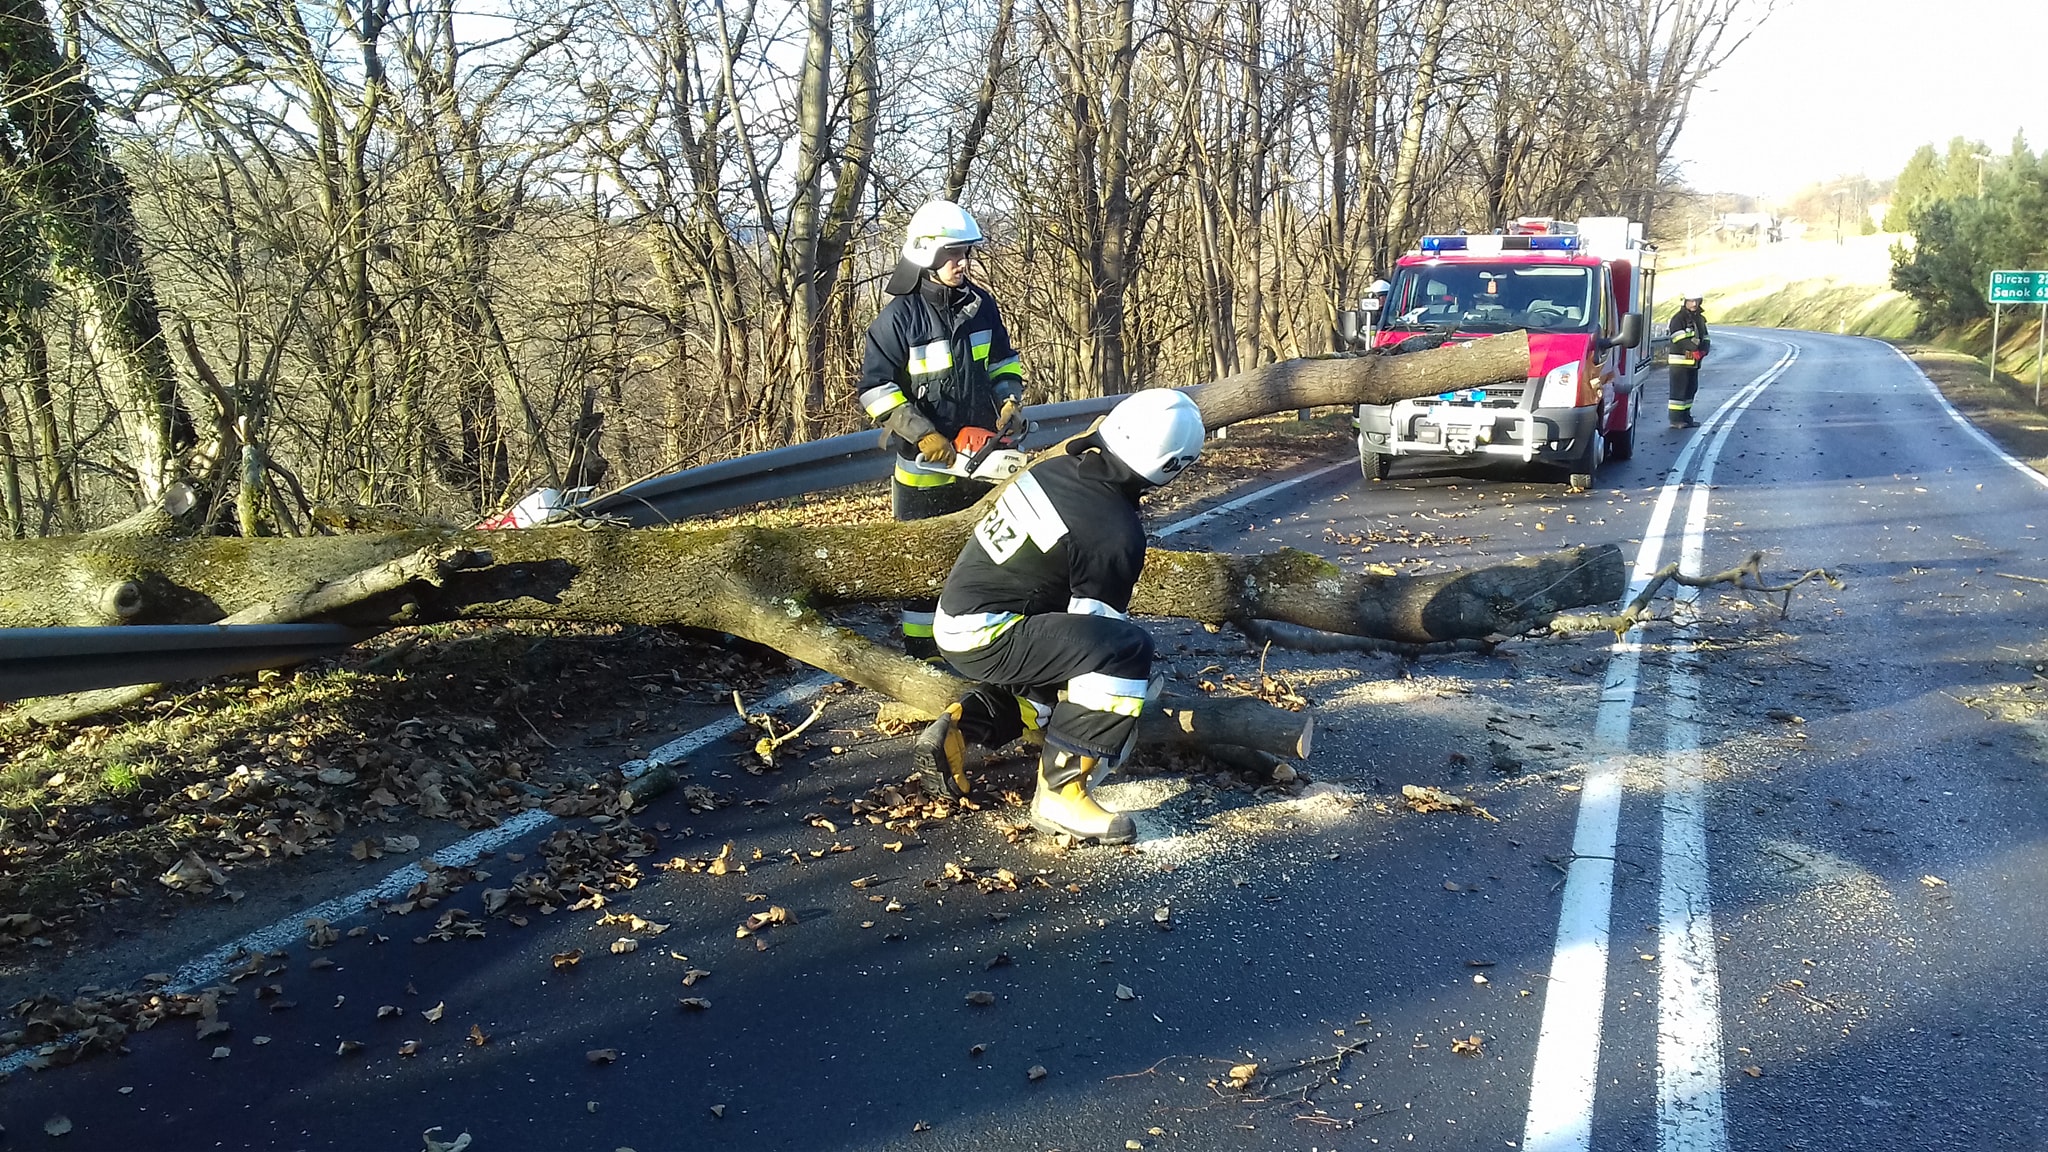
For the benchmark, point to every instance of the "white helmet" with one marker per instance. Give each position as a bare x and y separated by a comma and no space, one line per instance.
936,225
1156,433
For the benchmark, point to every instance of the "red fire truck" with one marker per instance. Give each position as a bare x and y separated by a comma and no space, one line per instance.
1581,290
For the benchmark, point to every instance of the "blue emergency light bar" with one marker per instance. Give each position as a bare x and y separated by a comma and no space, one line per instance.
1507,243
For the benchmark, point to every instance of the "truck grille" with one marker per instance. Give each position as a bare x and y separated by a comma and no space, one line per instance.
1497,396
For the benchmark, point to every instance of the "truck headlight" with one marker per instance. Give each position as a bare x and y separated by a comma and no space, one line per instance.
1560,387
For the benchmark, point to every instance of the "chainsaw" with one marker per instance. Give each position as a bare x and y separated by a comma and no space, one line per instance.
979,454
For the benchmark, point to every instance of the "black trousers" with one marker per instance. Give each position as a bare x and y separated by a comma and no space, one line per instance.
1685,381
1101,662
922,502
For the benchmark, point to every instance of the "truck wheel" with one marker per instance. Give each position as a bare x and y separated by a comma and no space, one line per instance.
1589,459
1374,465
1621,445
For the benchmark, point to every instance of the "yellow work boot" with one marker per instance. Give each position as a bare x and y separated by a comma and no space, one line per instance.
941,755
1068,807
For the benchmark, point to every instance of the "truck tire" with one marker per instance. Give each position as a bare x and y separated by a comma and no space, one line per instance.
1374,465
1622,445
1588,461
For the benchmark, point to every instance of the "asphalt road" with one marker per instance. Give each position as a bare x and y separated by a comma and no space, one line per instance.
1751,881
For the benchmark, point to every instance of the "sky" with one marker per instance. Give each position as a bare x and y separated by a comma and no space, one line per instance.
1830,88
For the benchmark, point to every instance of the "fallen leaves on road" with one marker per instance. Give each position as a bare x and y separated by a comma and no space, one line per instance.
1000,880
761,921
1035,1073
980,998
693,1003
632,923
477,1039
1422,798
1472,1045
717,865
434,1144
567,959
57,1125
377,849
1240,1076
602,1056
905,807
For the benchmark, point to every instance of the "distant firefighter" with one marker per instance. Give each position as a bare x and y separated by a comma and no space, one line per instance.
1689,345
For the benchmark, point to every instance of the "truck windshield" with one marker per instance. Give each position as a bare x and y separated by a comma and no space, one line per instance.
1474,297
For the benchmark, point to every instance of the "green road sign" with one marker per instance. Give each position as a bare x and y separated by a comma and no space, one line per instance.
2018,288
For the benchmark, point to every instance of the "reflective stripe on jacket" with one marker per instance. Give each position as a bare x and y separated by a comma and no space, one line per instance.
949,363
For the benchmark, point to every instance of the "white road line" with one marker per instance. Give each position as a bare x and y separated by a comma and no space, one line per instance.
1690,1115
216,964
1201,518
1963,422
1567,1068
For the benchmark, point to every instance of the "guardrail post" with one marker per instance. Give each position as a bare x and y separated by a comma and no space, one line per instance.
1991,377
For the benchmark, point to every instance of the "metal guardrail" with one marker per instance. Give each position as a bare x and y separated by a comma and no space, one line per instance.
819,466
50,661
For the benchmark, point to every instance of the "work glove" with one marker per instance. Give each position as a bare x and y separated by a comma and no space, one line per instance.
934,448
1010,420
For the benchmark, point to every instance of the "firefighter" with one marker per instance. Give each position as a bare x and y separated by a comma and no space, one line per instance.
1689,344
1037,605
938,360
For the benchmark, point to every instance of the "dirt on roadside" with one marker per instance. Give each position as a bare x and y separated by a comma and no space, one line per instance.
2004,408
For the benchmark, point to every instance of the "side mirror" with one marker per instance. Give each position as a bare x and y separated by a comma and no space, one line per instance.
1347,328
1631,330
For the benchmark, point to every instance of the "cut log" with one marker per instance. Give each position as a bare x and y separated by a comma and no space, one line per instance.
1371,378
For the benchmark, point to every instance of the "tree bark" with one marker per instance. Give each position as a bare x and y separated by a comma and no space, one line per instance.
63,173
1402,202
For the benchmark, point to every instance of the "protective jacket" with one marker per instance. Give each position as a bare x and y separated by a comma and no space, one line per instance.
1689,342
1063,537
938,360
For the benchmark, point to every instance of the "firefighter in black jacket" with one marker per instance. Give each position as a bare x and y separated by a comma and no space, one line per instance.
1037,604
1689,345
938,360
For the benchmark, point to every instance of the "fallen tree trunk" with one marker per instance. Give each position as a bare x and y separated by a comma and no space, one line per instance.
769,585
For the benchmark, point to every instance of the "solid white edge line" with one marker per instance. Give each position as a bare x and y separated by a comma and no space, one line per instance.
214,965
1566,1072
1963,421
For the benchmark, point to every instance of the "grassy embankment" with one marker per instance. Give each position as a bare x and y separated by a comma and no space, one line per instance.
1846,288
